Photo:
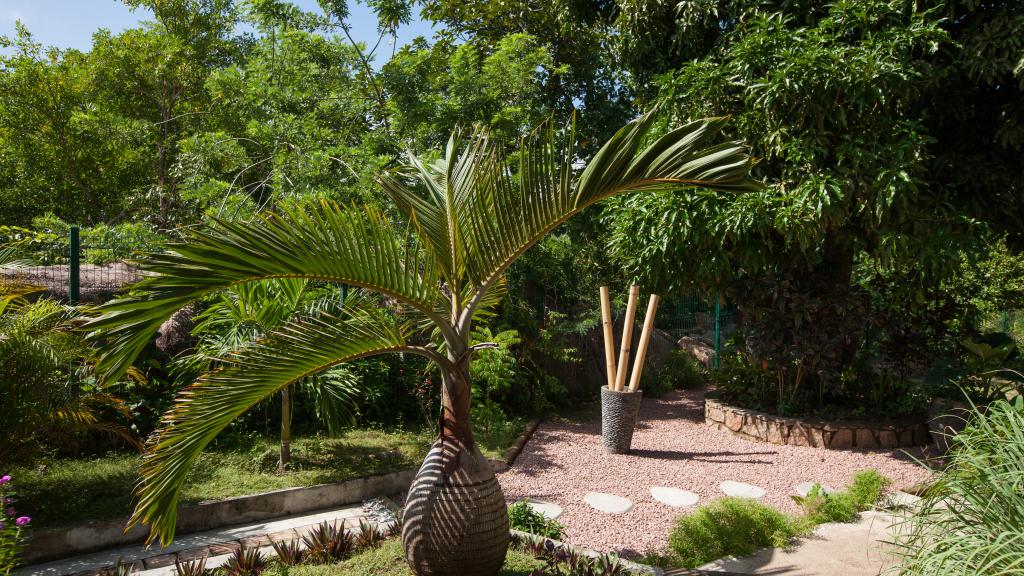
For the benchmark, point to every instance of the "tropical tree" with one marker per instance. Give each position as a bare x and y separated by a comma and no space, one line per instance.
244,313
468,216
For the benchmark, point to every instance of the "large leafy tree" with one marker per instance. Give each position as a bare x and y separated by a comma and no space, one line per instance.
467,217
848,106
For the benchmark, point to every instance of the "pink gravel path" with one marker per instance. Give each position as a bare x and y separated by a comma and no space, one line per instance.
671,447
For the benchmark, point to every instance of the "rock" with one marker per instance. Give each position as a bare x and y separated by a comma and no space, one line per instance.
842,439
865,439
175,335
742,490
543,507
734,420
701,350
887,439
778,432
674,496
608,503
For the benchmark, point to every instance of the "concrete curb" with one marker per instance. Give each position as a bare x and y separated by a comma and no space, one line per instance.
516,448
93,536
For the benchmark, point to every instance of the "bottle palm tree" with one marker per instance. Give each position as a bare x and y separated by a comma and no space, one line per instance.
467,217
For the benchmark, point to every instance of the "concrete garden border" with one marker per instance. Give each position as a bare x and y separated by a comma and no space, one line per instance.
839,435
58,543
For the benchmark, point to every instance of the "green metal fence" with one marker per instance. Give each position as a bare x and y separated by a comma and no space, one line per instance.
1008,321
701,316
73,269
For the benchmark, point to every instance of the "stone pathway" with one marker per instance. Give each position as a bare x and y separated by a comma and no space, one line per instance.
674,496
544,508
215,545
608,503
741,490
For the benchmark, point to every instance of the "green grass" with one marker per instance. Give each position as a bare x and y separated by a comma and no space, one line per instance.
62,491
387,560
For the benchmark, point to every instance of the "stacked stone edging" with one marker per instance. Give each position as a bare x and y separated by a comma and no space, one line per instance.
841,435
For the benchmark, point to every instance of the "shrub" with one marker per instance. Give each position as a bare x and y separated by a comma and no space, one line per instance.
728,526
677,371
970,519
522,517
12,525
867,488
289,553
327,543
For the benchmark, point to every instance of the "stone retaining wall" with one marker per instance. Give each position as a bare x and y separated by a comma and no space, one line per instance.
842,435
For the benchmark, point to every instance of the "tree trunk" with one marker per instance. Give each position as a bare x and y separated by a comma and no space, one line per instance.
455,521
286,431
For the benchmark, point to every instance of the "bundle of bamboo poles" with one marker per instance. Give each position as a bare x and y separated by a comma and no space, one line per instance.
617,371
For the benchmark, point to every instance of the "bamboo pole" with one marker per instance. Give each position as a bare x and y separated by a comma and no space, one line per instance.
627,337
645,340
609,337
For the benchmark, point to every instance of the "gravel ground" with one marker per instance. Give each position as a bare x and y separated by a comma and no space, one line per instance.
671,447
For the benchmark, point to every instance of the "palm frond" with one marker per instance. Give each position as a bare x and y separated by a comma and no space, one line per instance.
487,212
291,354
353,246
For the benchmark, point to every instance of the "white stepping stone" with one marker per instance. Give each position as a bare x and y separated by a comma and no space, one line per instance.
742,490
804,488
674,496
543,507
900,500
608,503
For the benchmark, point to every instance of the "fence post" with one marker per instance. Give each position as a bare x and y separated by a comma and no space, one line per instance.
74,267
718,326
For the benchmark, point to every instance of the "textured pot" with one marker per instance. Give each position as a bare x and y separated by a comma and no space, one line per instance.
618,418
946,418
455,521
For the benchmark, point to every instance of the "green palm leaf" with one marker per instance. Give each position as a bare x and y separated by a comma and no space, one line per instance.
298,350
355,246
488,212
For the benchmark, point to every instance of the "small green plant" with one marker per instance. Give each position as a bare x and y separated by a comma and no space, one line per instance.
729,526
865,490
193,568
368,536
524,518
12,527
327,543
289,553
246,562
820,507
563,560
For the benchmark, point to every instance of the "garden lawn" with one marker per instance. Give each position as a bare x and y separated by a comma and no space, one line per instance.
64,491
388,560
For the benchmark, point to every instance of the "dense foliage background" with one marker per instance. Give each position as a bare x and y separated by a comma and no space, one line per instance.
889,134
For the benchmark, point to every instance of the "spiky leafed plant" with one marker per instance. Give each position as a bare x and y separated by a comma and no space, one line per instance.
468,217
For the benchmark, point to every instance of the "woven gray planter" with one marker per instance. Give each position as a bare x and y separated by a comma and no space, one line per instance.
618,418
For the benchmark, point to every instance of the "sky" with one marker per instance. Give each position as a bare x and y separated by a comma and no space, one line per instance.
71,23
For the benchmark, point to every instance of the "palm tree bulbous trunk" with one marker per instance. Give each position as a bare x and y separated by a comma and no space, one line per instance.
455,520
